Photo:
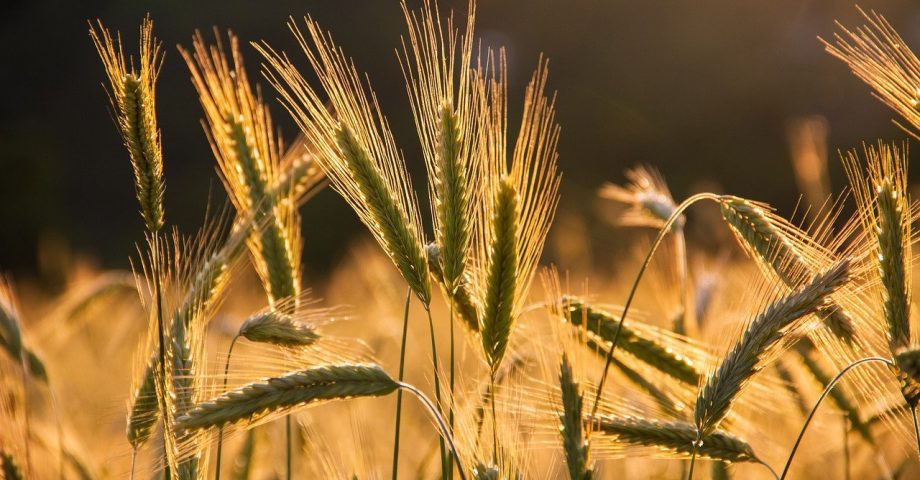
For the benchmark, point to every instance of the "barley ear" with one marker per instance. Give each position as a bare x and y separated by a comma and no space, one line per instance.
764,337
574,438
281,394
878,55
501,283
673,438
884,208
248,154
131,91
279,329
772,242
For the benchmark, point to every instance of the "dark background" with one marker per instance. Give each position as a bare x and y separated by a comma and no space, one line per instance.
702,89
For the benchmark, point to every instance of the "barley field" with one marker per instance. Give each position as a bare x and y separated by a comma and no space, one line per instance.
719,337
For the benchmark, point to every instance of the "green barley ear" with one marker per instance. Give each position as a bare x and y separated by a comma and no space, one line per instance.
884,208
436,61
131,91
11,340
776,243
574,438
674,438
355,148
143,409
465,302
249,156
513,220
501,283
386,215
258,400
602,327
279,329
877,54
9,468
762,339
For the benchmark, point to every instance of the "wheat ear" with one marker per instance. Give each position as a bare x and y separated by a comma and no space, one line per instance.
501,284
131,92
762,339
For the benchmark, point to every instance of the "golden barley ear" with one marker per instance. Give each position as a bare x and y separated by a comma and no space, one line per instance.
884,210
572,424
249,156
436,61
513,221
877,54
355,148
763,338
131,91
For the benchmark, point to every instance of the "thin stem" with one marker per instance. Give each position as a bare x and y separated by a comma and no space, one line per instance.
846,447
133,461
765,464
913,413
814,409
445,433
162,347
692,461
494,419
287,427
220,431
450,404
437,385
648,258
402,369
688,319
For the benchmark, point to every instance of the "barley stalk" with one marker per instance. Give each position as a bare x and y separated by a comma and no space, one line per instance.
762,338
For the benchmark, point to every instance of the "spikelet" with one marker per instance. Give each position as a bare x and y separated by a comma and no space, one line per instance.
281,394
355,147
574,438
780,246
436,62
648,196
240,130
131,91
877,54
763,338
517,210
671,438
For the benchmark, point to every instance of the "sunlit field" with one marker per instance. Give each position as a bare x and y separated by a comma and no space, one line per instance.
722,339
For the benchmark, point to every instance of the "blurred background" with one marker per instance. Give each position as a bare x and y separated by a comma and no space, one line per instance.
703,90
